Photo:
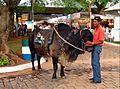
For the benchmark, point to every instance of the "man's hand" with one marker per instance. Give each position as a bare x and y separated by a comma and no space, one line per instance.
89,43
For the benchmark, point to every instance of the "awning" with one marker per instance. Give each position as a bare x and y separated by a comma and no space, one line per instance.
113,8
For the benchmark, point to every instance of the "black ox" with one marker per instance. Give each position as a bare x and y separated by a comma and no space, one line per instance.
61,43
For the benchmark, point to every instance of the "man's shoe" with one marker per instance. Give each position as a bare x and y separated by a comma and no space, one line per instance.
95,81
91,79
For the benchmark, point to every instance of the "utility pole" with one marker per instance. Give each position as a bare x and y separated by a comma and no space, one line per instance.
90,15
32,14
90,11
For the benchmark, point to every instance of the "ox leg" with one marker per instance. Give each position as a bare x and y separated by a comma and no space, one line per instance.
38,58
32,60
62,72
55,66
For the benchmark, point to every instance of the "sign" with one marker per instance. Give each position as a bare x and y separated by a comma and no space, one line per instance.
19,19
24,17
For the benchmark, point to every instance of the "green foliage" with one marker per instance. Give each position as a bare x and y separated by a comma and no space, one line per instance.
38,7
100,4
57,2
4,61
117,42
72,6
84,3
22,8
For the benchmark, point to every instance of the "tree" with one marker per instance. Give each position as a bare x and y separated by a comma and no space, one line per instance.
71,6
7,8
38,7
3,29
11,4
98,4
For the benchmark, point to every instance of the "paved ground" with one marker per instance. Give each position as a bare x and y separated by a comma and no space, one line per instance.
77,74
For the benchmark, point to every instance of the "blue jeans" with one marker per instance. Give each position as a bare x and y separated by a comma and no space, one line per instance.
96,63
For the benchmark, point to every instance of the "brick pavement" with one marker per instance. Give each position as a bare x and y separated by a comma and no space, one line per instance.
77,74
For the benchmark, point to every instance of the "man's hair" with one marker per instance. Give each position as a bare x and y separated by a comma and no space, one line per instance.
97,18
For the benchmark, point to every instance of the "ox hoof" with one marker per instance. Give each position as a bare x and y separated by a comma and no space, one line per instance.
39,68
33,68
54,76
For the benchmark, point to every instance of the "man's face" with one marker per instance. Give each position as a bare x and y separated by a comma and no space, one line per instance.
95,23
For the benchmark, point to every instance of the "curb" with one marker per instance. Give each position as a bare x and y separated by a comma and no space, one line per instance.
112,44
19,67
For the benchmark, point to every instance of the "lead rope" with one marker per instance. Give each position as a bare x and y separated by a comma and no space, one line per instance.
71,45
83,64
67,41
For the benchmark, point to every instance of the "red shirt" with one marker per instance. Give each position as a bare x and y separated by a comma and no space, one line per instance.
98,35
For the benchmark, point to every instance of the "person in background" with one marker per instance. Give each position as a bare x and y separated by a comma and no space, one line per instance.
25,29
98,42
15,30
19,29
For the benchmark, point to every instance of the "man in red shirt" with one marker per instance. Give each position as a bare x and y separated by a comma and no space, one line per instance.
98,42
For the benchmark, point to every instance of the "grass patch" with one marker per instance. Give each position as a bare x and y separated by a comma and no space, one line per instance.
117,42
4,61
15,45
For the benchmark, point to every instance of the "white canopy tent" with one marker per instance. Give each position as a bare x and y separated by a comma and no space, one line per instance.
115,11
61,19
113,8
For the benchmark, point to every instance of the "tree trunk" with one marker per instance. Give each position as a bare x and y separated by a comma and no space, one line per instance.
11,23
4,17
7,24
90,12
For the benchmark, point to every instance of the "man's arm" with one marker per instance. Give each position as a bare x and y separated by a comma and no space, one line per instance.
95,43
